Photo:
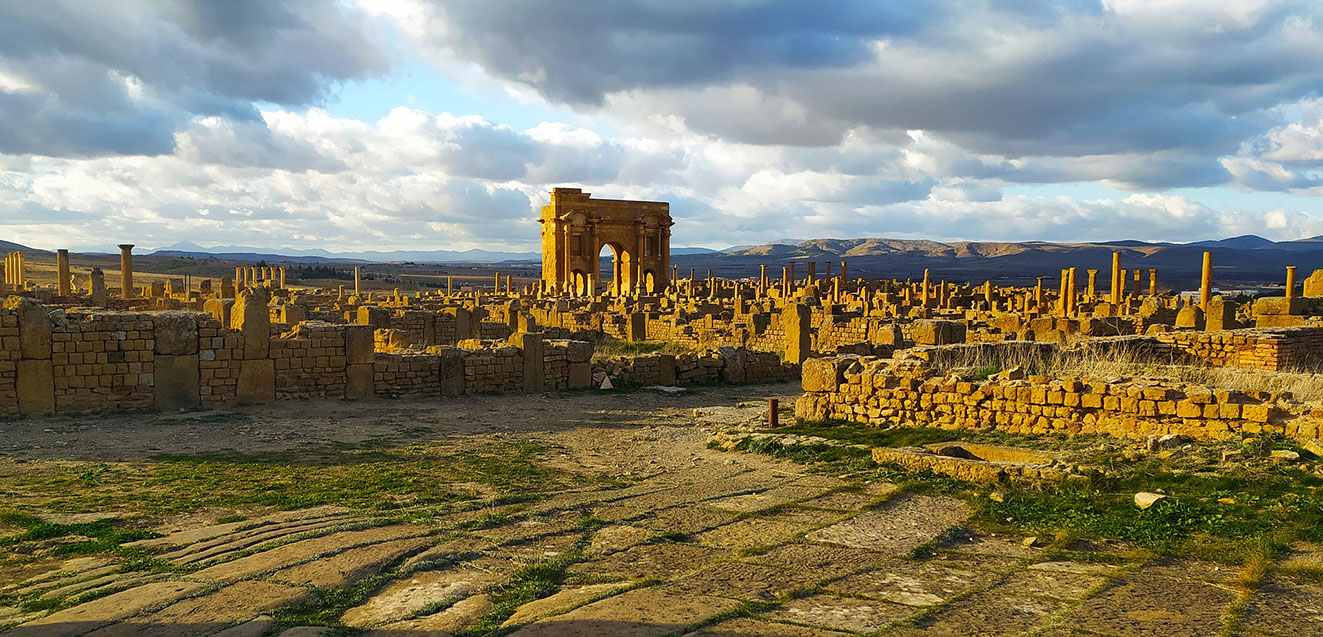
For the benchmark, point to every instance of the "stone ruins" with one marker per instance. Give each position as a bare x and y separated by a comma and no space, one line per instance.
867,348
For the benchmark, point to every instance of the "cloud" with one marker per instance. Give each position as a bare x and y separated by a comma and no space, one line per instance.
1015,79
93,78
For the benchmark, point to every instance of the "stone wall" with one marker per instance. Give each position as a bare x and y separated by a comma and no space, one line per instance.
883,392
77,360
1271,349
723,364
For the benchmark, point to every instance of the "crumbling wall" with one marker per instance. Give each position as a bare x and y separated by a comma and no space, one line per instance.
882,393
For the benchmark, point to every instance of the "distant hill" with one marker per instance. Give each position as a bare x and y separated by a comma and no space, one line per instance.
10,246
1246,259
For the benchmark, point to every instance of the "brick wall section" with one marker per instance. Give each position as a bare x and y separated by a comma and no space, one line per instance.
497,369
406,374
724,364
882,393
310,362
9,356
1271,349
103,360
219,351
99,359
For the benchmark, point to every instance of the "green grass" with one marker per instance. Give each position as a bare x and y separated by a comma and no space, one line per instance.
101,536
1215,511
825,457
916,436
373,478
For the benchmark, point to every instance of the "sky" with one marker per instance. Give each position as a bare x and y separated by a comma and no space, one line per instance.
419,124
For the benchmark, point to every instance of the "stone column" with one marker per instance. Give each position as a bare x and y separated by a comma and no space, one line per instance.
62,272
1206,283
1070,297
845,274
923,294
1063,297
1038,295
1120,285
358,289
126,270
1290,281
1153,282
450,284
812,272
1092,292
762,279
282,277
1116,278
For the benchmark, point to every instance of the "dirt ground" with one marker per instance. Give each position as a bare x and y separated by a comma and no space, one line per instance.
631,526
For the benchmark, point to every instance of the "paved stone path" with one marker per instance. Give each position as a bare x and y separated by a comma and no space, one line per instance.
706,544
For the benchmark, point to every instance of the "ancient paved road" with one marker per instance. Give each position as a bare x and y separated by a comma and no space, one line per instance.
700,542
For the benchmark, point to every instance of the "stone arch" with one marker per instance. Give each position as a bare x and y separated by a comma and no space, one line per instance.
576,227
622,270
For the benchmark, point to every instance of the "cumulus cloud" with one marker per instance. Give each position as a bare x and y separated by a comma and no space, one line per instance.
756,120
94,78
1033,79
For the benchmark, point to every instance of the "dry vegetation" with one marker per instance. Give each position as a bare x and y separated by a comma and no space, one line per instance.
1305,385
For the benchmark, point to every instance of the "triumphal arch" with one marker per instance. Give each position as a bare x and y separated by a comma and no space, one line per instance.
575,228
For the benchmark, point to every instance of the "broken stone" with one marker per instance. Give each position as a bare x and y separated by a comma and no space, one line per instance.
1144,499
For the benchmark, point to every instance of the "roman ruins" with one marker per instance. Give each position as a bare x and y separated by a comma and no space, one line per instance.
864,345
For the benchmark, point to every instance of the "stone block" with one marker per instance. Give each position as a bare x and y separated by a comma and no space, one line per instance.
1279,305
358,382
637,326
578,351
666,370
534,352
581,375
358,344
452,372
937,332
177,381
176,333
34,327
35,383
252,319
1313,286
796,320
257,381
824,374
219,309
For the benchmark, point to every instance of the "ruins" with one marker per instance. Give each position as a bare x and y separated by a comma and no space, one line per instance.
251,338
932,421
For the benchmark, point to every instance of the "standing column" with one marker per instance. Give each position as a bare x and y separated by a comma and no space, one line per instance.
1290,281
762,279
1038,295
1062,294
812,272
923,295
1070,297
62,272
1206,284
1153,282
792,274
126,269
358,287
1092,292
845,274
282,277
1116,278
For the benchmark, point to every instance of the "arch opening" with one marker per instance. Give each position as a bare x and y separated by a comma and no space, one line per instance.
618,272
